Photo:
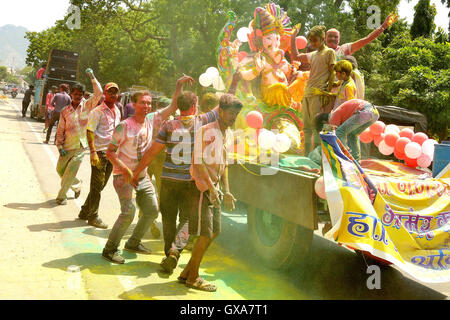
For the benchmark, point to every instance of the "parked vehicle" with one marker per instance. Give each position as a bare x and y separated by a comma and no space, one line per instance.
14,92
62,67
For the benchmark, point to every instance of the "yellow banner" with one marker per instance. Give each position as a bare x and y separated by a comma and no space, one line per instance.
398,218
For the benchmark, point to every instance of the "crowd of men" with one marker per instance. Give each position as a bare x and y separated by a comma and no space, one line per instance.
131,142
186,154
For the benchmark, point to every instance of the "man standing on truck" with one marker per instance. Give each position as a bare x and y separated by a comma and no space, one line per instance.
26,100
59,102
71,137
41,71
102,122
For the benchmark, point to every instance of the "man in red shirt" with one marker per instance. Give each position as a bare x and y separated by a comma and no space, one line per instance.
352,118
41,71
48,106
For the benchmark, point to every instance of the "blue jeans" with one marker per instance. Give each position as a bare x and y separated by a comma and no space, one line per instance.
349,131
148,204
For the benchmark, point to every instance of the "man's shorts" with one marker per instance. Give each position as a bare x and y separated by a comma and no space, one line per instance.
206,220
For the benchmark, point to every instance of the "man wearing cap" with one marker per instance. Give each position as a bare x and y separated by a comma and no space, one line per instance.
71,137
100,128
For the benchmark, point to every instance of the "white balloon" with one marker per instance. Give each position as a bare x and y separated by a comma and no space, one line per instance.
218,83
413,150
282,143
205,80
266,139
428,148
213,72
391,128
242,34
385,149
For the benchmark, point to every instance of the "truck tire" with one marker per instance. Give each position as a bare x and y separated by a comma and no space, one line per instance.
279,243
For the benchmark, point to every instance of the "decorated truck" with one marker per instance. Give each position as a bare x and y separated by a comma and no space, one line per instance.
62,67
364,202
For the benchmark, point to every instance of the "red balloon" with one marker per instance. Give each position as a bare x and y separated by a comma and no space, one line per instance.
378,139
399,155
406,133
377,128
420,138
255,119
242,55
366,136
411,162
401,144
301,42
391,138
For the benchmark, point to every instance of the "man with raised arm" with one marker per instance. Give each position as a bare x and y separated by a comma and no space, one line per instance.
71,138
102,122
131,139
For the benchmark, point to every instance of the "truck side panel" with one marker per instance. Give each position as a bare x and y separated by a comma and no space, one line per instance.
286,194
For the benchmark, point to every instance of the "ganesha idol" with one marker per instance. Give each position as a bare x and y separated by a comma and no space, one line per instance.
279,87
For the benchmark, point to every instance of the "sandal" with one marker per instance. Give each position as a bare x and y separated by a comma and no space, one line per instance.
202,285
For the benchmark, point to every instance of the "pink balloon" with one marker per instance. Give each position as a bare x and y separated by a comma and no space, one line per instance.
255,120
411,162
420,138
391,138
406,133
366,136
424,161
385,149
401,144
377,128
319,187
242,55
301,42
378,139
413,150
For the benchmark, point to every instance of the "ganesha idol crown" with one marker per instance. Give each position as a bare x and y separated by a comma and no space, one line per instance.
271,19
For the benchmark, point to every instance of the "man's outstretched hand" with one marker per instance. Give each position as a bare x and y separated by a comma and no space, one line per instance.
185,79
390,20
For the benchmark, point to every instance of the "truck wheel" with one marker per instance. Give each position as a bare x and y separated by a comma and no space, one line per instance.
280,244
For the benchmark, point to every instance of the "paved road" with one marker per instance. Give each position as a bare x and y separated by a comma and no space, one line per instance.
42,242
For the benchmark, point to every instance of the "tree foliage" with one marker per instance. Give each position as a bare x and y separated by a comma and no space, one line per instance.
423,24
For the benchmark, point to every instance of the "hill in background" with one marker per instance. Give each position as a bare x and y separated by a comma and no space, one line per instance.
13,46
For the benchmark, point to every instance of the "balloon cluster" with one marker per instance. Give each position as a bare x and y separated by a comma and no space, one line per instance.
413,148
266,139
212,77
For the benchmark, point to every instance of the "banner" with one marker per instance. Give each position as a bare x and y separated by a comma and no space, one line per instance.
399,217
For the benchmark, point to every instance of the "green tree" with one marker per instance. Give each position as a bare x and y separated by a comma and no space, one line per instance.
423,24
415,75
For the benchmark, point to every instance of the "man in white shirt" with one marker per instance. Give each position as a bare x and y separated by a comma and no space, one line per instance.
102,122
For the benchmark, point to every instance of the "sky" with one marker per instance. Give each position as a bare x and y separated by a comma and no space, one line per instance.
37,15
